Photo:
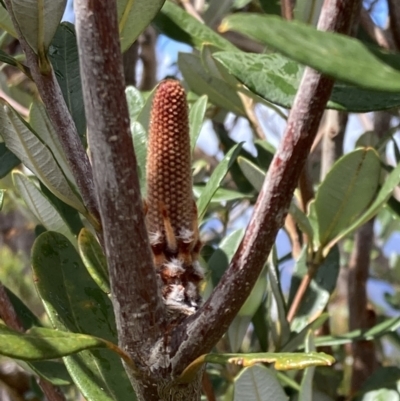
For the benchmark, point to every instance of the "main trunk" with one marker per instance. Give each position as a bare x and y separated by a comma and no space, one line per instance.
156,388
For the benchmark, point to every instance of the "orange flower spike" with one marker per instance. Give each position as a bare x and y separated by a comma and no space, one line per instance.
169,175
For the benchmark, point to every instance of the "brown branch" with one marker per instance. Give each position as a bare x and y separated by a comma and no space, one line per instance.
208,325
376,33
9,316
135,292
63,123
332,141
287,9
394,18
364,357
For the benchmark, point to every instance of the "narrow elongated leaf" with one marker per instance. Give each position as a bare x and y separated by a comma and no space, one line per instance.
41,124
297,341
253,173
196,118
201,82
7,160
276,79
1,198
74,302
6,58
6,23
139,136
133,17
319,291
176,23
279,326
38,21
41,343
222,256
388,326
40,206
306,389
135,102
254,383
347,190
35,155
215,180
94,259
339,56
222,194
54,372
281,361
63,54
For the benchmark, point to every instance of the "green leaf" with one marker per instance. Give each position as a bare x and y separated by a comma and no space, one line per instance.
41,124
133,18
40,206
276,79
25,315
306,389
196,118
347,190
1,198
271,6
336,55
388,326
6,58
54,372
222,194
136,106
135,102
390,182
63,54
252,172
201,82
35,155
389,376
279,326
320,289
40,343
215,180
139,136
74,302
222,256
176,23
254,383
237,331
94,259
6,23
7,160
281,361
38,21
297,341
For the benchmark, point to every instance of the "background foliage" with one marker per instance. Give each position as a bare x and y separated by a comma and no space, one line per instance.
241,73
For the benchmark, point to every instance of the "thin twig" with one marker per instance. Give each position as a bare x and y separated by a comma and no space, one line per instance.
213,319
207,387
287,9
63,123
394,18
187,5
376,33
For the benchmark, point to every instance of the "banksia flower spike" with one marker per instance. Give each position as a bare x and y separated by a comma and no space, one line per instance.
171,213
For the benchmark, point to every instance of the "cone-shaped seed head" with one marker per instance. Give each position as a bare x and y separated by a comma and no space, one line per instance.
169,179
